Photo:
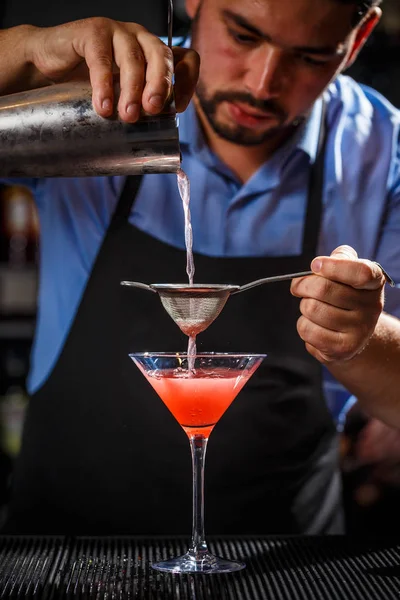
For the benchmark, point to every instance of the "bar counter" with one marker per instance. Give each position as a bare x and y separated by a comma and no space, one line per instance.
279,568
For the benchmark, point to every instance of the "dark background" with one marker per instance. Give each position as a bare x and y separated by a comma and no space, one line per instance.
377,66
44,13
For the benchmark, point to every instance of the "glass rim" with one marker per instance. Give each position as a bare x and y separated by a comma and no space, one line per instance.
197,355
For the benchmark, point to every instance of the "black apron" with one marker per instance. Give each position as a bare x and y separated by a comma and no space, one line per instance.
101,453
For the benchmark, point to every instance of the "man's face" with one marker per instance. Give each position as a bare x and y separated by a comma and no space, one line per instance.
265,62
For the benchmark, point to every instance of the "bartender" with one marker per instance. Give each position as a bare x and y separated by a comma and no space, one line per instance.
289,160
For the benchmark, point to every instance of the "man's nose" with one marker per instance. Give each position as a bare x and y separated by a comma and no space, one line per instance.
265,75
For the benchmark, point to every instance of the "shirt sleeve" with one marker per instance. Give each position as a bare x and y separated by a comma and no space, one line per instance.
388,251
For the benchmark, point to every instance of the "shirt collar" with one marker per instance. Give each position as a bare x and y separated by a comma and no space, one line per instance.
307,137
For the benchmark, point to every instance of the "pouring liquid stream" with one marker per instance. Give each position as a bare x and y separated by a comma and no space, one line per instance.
184,190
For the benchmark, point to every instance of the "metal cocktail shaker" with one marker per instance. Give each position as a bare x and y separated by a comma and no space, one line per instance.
55,132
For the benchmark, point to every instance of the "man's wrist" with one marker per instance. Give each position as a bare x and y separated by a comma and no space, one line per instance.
28,38
18,71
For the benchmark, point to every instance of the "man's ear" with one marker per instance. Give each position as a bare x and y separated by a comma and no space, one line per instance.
364,30
192,6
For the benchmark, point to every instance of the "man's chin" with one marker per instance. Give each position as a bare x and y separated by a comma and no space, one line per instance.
242,136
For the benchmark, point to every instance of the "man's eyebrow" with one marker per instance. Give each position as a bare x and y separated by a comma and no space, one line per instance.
320,50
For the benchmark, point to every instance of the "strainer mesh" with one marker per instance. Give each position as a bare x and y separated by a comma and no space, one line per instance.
193,312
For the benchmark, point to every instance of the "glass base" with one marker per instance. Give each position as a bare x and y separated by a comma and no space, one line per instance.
201,563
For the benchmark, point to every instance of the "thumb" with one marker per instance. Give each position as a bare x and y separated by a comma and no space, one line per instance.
187,65
344,266
346,252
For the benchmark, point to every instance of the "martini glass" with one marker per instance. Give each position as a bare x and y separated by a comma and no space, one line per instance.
197,397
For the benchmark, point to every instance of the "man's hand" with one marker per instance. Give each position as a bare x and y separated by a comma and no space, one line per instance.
340,305
378,443
98,48
370,459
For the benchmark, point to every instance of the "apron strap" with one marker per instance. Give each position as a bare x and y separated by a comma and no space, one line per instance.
126,199
315,191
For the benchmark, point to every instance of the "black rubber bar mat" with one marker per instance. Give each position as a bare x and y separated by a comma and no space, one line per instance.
293,568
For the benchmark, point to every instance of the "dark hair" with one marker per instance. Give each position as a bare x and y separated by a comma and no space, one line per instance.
362,7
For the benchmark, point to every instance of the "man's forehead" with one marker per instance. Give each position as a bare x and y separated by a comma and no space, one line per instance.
313,9
319,19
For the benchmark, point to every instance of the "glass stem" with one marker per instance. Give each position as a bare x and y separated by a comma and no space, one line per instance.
198,446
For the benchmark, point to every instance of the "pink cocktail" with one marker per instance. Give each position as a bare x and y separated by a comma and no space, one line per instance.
198,398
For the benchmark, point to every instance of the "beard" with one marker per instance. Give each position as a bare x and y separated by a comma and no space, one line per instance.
235,133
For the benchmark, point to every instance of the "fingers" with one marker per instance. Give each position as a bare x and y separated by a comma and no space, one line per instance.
145,64
336,294
159,72
335,331
146,67
187,66
327,316
341,306
343,266
131,62
87,41
147,72
329,345
98,55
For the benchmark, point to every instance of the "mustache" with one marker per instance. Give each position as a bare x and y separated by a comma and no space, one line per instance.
270,106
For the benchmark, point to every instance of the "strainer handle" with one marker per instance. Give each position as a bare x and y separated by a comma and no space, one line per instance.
170,22
252,284
257,282
142,286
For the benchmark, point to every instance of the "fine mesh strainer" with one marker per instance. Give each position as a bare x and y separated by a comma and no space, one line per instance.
195,307
192,307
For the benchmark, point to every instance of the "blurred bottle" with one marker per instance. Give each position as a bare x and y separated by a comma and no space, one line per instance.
20,227
34,232
12,413
14,398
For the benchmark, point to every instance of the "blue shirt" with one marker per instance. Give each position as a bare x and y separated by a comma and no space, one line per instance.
263,217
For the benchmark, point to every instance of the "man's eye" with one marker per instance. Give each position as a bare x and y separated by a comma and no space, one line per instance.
242,38
313,61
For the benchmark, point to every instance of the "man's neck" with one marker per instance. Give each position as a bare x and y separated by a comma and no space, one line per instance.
243,161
